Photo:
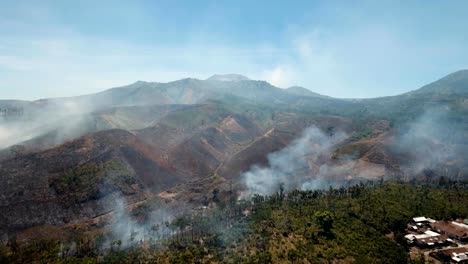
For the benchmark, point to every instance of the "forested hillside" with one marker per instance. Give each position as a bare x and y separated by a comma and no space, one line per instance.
361,223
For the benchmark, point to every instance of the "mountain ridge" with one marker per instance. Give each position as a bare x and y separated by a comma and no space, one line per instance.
453,83
230,77
299,90
451,79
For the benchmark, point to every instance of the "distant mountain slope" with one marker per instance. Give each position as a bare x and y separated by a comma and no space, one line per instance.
297,90
184,91
455,83
88,113
44,121
45,133
447,94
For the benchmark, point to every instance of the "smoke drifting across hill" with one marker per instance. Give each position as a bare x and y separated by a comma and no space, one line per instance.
432,142
289,167
55,121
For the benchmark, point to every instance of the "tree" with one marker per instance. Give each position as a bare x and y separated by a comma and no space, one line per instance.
215,195
324,219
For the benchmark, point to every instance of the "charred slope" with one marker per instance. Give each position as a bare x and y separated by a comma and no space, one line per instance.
195,141
287,127
78,180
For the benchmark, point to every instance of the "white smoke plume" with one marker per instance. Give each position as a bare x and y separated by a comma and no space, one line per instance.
430,143
129,231
54,121
292,166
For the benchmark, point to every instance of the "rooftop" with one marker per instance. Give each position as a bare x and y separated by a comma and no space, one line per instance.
420,219
457,229
427,234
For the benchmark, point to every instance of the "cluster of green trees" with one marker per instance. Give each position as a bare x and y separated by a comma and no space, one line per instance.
92,180
364,223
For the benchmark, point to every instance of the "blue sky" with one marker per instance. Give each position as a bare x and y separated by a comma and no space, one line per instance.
338,48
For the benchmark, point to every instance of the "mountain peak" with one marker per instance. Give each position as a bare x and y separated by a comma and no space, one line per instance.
228,77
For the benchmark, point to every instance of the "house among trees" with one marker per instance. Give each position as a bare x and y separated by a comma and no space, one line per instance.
422,221
427,239
456,255
455,230
420,224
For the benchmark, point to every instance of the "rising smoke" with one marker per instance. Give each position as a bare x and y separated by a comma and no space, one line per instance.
291,166
432,144
126,229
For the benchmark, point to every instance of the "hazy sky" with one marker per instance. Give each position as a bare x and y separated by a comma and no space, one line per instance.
337,48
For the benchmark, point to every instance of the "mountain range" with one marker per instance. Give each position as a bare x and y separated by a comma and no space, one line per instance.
63,161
